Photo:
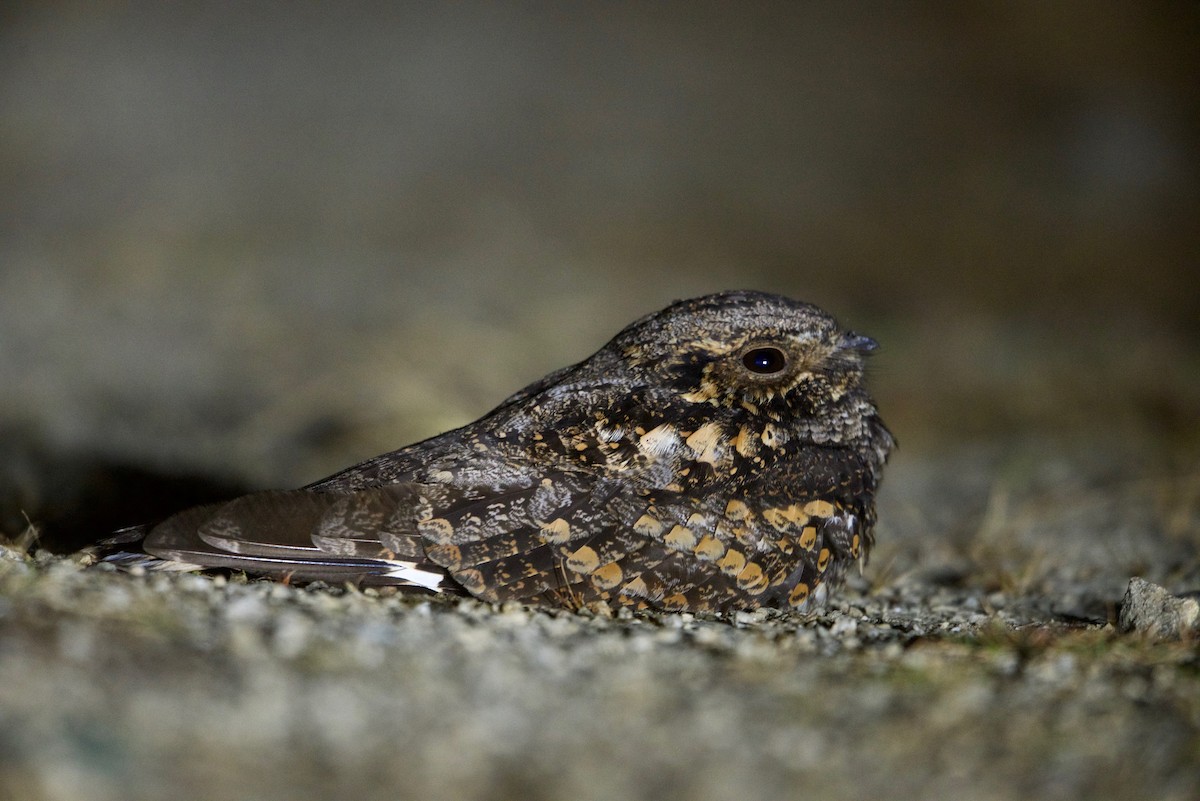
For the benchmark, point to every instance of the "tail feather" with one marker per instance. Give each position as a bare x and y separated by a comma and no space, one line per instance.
271,534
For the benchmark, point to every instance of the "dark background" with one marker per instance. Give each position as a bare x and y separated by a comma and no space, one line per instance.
263,242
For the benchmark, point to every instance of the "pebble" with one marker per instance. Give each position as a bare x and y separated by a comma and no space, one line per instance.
1151,610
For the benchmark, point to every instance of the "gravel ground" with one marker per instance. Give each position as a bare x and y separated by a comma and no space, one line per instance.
984,668
125,687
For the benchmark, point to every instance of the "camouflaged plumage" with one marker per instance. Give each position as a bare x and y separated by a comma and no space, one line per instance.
719,454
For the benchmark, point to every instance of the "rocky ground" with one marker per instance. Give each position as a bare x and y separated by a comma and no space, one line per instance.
981,655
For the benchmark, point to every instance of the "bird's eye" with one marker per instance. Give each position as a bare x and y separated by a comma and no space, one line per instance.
765,361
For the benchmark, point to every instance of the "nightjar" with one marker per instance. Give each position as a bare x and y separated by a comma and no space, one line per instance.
719,454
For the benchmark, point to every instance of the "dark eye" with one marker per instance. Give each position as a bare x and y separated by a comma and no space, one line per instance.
765,361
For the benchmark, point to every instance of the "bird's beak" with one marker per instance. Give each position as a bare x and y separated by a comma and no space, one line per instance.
858,342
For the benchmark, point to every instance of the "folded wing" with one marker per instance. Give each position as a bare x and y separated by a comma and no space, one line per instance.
564,539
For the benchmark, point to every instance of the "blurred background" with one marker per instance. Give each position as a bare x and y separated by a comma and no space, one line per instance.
243,245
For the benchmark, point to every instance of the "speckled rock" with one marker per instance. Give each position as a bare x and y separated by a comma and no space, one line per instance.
1150,609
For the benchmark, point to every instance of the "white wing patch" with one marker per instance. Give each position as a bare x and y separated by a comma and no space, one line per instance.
410,573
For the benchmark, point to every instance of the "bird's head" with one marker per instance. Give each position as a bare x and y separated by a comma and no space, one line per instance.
749,353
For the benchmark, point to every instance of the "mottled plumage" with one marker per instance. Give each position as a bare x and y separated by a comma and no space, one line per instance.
719,454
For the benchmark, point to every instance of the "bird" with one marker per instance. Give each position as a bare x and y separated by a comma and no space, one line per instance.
721,454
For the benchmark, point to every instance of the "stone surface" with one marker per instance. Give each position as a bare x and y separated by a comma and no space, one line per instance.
1150,609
